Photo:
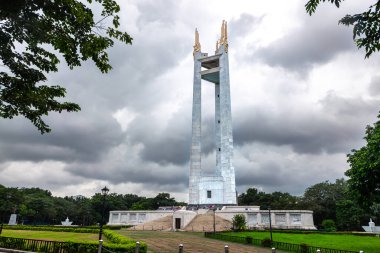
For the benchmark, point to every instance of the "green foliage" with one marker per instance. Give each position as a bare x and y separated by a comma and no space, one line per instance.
32,33
116,238
38,207
321,198
304,248
275,200
239,222
349,216
366,31
329,225
311,6
266,242
162,199
364,172
249,239
70,246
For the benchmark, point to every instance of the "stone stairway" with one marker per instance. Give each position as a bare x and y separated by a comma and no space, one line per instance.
205,222
164,223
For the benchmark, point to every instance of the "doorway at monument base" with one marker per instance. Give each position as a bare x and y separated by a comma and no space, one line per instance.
182,219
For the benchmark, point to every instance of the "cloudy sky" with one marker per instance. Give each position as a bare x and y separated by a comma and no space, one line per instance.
302,95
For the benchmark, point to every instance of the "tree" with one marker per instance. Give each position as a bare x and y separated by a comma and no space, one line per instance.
349,216
239,222
366,31
32,33
364,172
321,198
274,200
281,201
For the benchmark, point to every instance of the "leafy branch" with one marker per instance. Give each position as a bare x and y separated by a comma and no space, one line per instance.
366,25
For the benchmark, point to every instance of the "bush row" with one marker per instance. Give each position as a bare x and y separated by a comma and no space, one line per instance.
69,247
53,228
116,238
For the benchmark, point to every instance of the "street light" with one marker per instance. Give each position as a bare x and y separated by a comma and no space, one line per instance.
105,190
214,219
270,226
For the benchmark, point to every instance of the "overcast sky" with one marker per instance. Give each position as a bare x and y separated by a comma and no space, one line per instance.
302,94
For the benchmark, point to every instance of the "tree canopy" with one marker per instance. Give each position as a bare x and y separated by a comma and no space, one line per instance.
33,34
38,206
364,172
366,25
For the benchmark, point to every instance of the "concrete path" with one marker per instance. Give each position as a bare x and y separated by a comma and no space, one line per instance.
168,242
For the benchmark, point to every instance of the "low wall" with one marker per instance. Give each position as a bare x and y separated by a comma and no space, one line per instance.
136,217
256,218
292,219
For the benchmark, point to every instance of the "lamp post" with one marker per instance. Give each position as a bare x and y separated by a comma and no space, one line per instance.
214,219
105,190
270,225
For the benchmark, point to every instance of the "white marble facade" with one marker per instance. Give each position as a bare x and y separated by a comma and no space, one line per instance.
218,188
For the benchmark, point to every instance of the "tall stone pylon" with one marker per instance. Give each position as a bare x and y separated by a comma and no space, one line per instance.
219,188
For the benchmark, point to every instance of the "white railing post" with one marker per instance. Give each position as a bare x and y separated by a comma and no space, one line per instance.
137,249
100,246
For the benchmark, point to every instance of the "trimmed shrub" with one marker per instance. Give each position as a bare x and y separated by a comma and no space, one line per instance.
116,238
304,248
249,239
266,242
239,223
329,225
77,246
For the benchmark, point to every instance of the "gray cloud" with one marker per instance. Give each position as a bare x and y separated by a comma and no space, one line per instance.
315,42
333,130
152,79
374,86
243,25
74,138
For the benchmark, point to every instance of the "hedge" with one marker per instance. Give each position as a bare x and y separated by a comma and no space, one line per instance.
69,247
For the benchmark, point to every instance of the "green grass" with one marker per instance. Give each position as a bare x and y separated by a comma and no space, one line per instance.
51,236
333,241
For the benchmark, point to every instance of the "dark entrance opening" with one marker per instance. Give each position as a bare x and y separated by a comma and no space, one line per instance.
177,223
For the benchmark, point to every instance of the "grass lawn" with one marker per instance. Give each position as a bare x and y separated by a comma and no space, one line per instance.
51,236
334,241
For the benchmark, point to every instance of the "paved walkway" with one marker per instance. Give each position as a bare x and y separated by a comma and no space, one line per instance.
168,242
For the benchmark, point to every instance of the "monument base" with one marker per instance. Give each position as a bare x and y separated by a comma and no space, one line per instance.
180,219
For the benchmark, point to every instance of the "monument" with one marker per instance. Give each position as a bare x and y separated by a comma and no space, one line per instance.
371,228
219,188
13,219
66,222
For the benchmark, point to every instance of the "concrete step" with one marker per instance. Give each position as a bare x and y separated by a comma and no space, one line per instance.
205,222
